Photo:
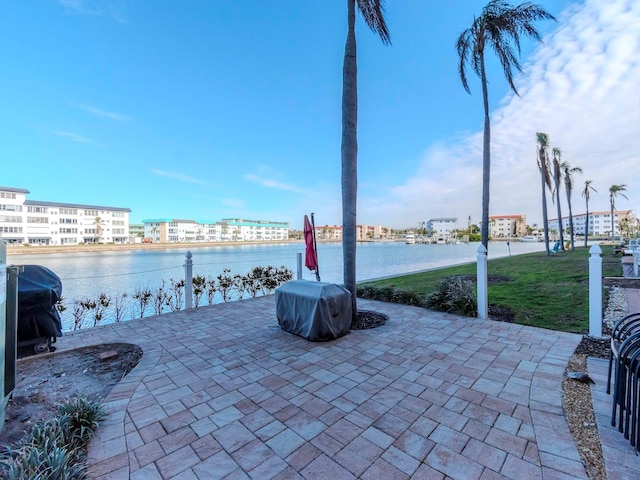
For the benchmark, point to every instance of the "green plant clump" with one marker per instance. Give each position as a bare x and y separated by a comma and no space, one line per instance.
389,294
454,295
55,448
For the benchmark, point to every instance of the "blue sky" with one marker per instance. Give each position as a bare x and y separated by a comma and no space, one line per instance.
211,109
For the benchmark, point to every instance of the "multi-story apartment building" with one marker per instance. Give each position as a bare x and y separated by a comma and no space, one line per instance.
506,226
363,232
53,223
371,232
442,227
329,232
599,222
169,230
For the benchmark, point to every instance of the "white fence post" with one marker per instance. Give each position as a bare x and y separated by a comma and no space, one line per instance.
481,275
299,273
188,281
595,291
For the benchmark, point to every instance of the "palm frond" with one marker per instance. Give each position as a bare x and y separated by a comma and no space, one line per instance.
500,25
373,14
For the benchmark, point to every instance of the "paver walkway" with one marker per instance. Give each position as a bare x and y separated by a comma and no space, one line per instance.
223,392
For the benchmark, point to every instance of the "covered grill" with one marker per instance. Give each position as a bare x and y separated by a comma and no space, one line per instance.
39,324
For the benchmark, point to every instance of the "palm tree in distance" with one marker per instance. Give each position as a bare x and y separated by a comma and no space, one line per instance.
614,191
545,177
586,193
557,177
567,174
500,26
98,222
373,13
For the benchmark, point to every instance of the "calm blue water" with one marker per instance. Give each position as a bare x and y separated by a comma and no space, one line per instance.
87,274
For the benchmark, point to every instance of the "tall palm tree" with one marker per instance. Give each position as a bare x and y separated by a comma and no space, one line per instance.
567,173
373,13
545,178
614,191
557,177
586,193
500,26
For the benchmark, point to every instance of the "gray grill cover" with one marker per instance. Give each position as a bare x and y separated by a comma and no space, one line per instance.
314,310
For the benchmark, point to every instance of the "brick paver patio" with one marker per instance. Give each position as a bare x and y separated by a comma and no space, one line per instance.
223,392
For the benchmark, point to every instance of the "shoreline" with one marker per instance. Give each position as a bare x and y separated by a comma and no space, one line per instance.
44,249
91,247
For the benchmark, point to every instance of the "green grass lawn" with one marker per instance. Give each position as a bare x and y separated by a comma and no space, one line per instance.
543,291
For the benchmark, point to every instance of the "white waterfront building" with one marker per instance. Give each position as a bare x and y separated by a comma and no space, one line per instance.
442,227
33,222
599,222
171,230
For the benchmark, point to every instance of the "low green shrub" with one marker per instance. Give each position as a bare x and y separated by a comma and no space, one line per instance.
389,294
454,295
54,448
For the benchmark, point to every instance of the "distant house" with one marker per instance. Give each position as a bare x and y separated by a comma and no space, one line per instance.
36,222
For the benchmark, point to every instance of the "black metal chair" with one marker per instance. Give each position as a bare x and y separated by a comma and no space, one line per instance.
622,329
627,358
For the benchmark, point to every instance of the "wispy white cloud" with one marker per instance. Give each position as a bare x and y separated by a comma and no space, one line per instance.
581,88
113,8
104,113
178,176
75,137
235,203
83,7
275,184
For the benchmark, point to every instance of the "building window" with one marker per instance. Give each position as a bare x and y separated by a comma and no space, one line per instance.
11,208
10,219
7,195
91,213
36,209
37,220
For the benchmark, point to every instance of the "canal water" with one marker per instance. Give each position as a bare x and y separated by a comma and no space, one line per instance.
87,274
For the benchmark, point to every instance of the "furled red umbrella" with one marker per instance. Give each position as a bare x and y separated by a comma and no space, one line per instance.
311,256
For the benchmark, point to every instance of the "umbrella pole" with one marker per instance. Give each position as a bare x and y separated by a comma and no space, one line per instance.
315,246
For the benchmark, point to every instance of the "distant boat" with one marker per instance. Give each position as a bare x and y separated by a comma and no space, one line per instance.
441,241
529,238
410,239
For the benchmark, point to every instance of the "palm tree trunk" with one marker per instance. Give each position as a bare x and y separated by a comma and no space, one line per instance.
486,157
612,224
545,218
570,224
349,152
559,215
586,227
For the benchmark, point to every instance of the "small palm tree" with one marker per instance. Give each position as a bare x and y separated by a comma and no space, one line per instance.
614,191
586,193
557,177
373,14
98,222
500,26
545,177
567,173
